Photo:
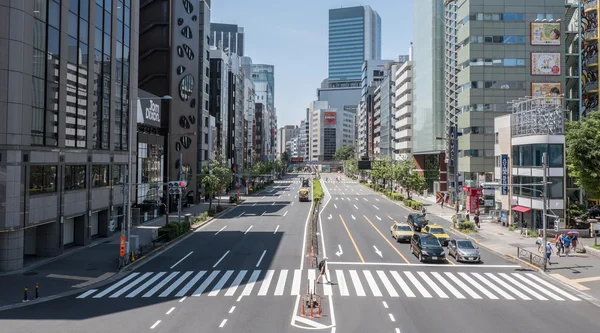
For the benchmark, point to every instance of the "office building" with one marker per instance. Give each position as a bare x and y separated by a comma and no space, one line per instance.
372,75
385,109
204,122
260,132
220,64
249,121
235,135
402,100
342,98
354,36
65,123
286,133
227,37
170,64
330,129
525,59
263,77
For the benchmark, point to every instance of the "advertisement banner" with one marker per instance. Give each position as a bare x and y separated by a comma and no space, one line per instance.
148,112
545,63
545,33
329,118
504,171
548,92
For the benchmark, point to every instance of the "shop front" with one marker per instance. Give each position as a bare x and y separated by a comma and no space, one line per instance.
472,198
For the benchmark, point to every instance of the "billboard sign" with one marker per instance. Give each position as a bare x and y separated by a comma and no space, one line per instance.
329,118
453,146
545,63
297,160
148,112
504,170
549,91
545,33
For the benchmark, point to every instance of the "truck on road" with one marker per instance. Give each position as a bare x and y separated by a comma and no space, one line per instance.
304,194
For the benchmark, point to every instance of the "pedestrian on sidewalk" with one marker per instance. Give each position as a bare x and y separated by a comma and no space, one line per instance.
567,245
548,252
524,228
540,242
476,218
322,270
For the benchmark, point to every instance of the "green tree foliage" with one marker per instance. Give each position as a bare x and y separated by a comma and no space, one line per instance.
344,153
211,184
285,157
583,153
351,167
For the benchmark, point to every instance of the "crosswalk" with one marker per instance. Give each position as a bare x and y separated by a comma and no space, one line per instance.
325,181
357,283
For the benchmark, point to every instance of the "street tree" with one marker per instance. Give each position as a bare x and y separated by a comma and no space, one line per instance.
285,157
583,153
344,153
211,184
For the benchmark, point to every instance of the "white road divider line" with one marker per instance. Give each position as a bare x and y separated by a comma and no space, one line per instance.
223,323
379,218
219,231
334,205
232,309
183,299
376,207
385,305
242,214
248,229
284,214
392,317
155,324
170,310
274,232
182,259
223,257
261,258
355,206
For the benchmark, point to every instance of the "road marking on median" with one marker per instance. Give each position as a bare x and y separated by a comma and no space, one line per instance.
248,229
352,239
261,258
223,257
182,259
387,240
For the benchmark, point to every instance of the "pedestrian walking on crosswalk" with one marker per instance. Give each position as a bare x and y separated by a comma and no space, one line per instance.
322,270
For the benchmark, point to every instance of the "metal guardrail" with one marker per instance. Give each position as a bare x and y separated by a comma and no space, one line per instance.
531,258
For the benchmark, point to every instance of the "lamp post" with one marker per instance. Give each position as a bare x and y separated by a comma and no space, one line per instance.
127,194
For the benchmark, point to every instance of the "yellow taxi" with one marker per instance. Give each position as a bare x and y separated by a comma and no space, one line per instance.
401,232
438,232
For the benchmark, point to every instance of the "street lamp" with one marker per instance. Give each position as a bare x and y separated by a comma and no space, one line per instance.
127,194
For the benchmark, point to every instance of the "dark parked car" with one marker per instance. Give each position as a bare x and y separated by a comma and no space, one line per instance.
427,247
417,221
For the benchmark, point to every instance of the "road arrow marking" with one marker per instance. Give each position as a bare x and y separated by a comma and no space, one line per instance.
377,251
355,206
354,218
340,252
330,217
376,207
379,218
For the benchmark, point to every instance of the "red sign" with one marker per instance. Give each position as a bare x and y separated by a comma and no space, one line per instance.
297,159
329,118
122,247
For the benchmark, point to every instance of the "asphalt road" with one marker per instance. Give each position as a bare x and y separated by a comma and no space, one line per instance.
227,275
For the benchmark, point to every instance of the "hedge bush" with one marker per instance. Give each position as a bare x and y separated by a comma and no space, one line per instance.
412,204
173,230
220,208
466,225
318,191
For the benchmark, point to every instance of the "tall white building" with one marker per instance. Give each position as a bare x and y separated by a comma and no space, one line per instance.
284,135
403,109
330,129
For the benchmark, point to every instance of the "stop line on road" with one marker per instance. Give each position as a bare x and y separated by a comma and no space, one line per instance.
347,283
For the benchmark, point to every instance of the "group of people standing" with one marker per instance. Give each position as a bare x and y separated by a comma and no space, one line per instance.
563,243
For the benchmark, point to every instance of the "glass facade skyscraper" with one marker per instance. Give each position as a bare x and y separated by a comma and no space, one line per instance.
354,36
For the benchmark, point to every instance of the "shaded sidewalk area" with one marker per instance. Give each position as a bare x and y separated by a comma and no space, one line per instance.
78,267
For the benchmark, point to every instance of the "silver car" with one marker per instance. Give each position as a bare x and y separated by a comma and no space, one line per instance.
464,250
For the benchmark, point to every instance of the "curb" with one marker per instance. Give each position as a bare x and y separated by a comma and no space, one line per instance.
123,271
592,251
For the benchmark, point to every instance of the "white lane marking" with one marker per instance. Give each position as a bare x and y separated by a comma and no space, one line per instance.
284,214
145,285
342,283
448,286
397,329
387,284
254,204
432,285
170,310
556,289
223,323
365,199
548,293
239,298
354,218
87,293
264,288
116,285
379,218
235,284
463,285
273,204
296,282
417,284
183,299
155,324
274,232
176,284
375,199
493,286
376,207
263,213
295,196
478,286
281,282
356,199
261,258
355,206
402,284
385,305
508,286
248,229
250,285
348,198
343,198
217,288
129,286
263,197
190,284
392,317
223,257
311,281
182,259
242,214
205,283
334,205
289,194
357,285
292,203
219,231
327,290
232,309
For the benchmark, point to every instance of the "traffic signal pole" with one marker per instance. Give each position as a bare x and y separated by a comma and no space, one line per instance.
181,190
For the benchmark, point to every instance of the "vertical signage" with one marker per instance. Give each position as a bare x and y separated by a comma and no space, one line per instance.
452,146
504,167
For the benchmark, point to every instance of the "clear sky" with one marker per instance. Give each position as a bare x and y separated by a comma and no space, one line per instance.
292,35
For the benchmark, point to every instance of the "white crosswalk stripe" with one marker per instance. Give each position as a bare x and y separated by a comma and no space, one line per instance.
347,283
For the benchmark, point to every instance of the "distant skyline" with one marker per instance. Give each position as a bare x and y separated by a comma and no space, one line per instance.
294,38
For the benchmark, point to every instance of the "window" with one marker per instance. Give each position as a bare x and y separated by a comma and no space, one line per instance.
118,174
99,175
555,190
538,151
556,155
74,177
43,179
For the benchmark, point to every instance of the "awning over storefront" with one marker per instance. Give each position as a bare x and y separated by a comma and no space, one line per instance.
521,209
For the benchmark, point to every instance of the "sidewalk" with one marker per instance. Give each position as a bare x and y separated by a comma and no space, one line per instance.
80,266
580,270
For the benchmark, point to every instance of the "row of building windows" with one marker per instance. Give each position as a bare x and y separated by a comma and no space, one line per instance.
44,177
494,85
500,62
493,17
476,153
554,190
478,130
493,40
531,155
499,107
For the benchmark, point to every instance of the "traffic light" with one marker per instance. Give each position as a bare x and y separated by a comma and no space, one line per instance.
175,187
182,184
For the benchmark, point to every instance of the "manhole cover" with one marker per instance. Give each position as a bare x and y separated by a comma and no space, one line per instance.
30,273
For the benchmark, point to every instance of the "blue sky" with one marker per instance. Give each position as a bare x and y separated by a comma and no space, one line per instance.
292,35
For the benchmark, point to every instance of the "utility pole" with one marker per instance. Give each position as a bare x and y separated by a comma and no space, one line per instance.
181,190
545,196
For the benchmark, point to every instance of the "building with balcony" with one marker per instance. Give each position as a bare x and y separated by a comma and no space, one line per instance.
372,75
589,54
285,135
402,99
